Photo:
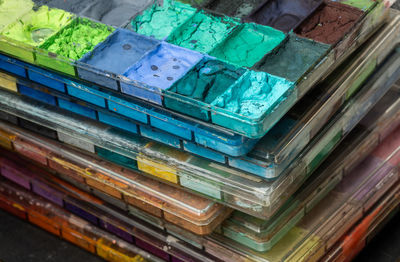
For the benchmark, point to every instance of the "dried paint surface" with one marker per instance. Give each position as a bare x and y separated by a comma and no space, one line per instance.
235,8
284,15
163,66
160,21
36,26
330,23
254,95
203,32
77,39
207,81
294,58
11,10
249,44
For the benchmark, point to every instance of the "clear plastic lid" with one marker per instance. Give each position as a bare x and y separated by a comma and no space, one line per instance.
357,194
262,235
240,190
221,107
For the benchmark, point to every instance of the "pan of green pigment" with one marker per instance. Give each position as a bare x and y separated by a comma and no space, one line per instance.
203,32
248,44
160,20
21,38
193,94
254,104
12,10
71,43
294,58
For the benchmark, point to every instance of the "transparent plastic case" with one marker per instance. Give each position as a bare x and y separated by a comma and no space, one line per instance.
217,111
262,235
194,213
244,192
374,179
92,209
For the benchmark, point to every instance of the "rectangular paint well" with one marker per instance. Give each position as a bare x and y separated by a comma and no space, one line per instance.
284,15
46,78
248,44
8,82
234,8
36,94
208,80
86,94
78,109
31,30
11,65
42,130
116,158
114,56
72,43
160,20
203,32
294,58
117,122
159,70
330,23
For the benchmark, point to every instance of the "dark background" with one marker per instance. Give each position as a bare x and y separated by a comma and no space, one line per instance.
22,242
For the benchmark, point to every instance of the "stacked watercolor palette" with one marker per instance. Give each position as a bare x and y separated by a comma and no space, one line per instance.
200,130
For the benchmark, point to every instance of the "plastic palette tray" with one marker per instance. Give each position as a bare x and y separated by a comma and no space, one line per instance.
262,235
38,211
246,127
330,219
305,119
92,209
194,213
254,196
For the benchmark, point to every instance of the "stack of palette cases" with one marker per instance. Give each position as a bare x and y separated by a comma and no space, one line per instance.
196,131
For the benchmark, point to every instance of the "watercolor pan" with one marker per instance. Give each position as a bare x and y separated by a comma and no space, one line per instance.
203,32
261,235
329,220
200,215
22,37
284,15
117,222
60,51
299,170
116,54
272,148
158,70
222,142
161,19
15,9
236,8
69,227
114,13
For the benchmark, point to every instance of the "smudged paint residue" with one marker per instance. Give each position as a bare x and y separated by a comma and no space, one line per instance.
203,32
37,26
255,94
294,58
159,21
77,39
235,8
361,4
248,45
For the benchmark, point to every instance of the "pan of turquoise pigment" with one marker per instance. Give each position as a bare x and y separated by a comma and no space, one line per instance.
193,94
284,15
157,71
21,38
61,50
114,56
110,12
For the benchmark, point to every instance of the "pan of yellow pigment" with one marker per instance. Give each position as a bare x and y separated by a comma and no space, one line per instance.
71,43
21,38
11,10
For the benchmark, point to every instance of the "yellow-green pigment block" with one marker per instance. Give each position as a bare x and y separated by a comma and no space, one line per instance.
21,38
248,44
71,44
11,10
